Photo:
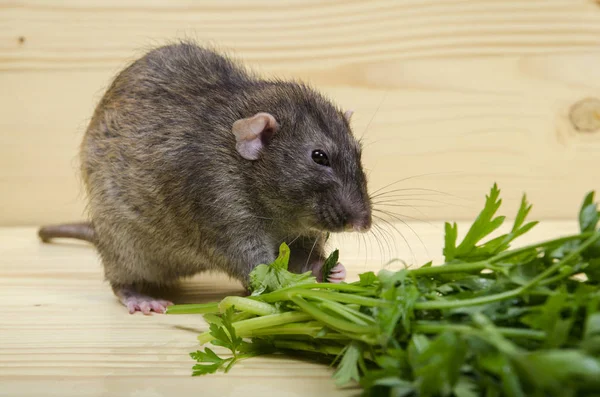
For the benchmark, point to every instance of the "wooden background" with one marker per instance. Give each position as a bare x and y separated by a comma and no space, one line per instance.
467,92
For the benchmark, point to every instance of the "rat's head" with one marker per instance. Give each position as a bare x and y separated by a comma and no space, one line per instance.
306,162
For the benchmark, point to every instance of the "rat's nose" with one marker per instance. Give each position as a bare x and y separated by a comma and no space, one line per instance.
360,223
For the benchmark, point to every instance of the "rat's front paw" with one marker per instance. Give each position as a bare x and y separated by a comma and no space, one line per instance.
337,274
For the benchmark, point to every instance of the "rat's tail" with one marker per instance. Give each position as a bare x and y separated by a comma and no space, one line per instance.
80,231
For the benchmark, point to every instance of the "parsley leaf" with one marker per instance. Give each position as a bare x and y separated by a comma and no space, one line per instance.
225,334
347,370
588,214
208,362
367,279
268,278
437,366
486,223
329,264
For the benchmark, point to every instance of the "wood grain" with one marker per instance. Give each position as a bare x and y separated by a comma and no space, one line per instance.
466,93
64,334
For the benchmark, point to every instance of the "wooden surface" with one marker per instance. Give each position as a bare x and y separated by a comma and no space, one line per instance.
64,334
468,92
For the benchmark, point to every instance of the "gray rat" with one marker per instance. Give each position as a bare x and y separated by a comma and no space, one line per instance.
192,163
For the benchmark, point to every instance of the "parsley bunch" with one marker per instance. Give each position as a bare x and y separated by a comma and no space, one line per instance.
492,320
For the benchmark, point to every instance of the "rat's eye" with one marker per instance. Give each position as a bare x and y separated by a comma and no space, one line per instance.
320,158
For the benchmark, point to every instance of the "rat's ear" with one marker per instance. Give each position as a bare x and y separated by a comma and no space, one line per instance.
348,115
253,133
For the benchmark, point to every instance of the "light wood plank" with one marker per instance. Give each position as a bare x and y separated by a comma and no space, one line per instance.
468,92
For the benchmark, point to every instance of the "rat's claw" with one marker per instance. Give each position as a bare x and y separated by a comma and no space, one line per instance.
132,307
145,307
160,306
337,274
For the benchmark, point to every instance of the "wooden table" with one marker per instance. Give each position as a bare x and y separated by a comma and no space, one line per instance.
64,334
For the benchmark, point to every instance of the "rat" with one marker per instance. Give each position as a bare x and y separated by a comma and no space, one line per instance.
193,163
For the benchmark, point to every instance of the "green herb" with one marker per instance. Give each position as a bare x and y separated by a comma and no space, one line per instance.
267,278
329,264
492,320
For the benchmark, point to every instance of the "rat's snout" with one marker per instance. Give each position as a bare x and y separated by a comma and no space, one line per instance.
358,216
356,206
360,222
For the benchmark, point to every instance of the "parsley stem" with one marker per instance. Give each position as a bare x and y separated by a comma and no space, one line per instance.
558,277
240,316
437,327
451,268
347,312
572,255
196,308
337,287
270,320
333,296
309,347
308,330
311,329
453,304
247,305
360,332
556,241
332,322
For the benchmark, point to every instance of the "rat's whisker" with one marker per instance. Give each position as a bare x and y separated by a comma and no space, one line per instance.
361,236
384,96
414,189
411,229
387,235
406,203
404,200
378,242
312,249
401,235
392,213
415,233
295,238
366,250
400,194
379,236
395,203
382,204
408,178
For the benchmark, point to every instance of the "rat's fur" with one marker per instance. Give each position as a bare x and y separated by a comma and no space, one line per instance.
169,195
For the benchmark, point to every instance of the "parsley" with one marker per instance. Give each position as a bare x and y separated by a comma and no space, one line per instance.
329,264
267,278
224,335
492,320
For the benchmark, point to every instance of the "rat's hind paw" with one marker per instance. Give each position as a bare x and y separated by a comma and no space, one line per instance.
337,274
134,301
146,304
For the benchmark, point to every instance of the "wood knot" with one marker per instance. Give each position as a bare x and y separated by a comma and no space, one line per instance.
21,40
585,115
